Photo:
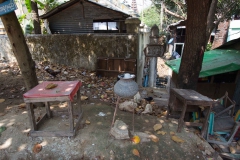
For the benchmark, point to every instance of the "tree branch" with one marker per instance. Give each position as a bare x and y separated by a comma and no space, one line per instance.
210,19
174,14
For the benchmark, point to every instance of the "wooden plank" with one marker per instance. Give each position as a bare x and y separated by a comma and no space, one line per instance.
79,110
230,156
70,111
181,121
40,122
52,133
48,111
78,121
191,95
48,99
31,116
205,123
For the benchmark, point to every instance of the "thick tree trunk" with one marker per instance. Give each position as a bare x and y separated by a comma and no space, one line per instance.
195,43
35,18
20,49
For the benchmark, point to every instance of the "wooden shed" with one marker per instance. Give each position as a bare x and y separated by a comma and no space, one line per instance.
220,70
83,16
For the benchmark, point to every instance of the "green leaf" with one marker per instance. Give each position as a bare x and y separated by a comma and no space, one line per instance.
42,6
28,5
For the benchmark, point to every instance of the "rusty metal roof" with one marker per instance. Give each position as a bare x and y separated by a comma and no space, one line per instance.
72,2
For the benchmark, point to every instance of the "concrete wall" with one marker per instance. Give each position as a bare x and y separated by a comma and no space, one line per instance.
77,50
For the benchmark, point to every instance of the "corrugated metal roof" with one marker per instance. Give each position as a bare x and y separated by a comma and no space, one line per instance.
216,61
71,2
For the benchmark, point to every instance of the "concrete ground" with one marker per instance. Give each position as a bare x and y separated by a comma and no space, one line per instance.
93,140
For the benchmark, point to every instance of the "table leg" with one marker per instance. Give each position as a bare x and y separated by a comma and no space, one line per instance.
48,111
171,102
79,107
70,110
79,110
181,119
205,123
31,116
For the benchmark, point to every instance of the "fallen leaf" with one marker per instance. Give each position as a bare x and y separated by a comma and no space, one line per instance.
161,132
157,127
51,86
87,122
232,150
147,132
161,121
83,98
172,133
135,139
136,152
2,100
22,105
177,139
154,138
37,148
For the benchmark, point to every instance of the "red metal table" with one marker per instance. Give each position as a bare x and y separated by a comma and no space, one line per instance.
188,100
65,91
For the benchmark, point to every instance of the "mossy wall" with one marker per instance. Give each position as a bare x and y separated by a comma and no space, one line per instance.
79,50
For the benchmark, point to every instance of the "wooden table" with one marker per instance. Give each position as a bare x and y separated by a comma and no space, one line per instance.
188,100
65,91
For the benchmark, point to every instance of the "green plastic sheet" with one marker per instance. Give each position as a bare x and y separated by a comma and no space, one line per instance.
216,61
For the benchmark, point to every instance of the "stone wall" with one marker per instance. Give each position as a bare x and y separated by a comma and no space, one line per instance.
77,50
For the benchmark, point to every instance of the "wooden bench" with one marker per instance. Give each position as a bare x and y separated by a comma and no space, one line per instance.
65,91
184,100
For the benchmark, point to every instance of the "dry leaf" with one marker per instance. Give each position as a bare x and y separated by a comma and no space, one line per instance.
37,148
87,122
136,152
135,139
157,127
154,138
147,132
232,150
2,100
177,139
51,86
83,98
22,105
161,121
161,132
172,133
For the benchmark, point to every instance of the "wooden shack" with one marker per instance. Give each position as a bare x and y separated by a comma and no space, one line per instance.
83,16
220,71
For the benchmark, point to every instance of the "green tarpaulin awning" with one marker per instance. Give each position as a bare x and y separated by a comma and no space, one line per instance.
216,61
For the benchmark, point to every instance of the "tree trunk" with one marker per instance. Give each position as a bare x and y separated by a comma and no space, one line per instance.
195,43
210,19
35,18
20,49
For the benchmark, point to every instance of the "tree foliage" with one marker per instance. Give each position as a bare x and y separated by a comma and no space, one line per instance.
176,10
150,16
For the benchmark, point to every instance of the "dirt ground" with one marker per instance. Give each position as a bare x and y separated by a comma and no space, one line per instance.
92,140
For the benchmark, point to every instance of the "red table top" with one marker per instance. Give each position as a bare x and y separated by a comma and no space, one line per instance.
64,88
